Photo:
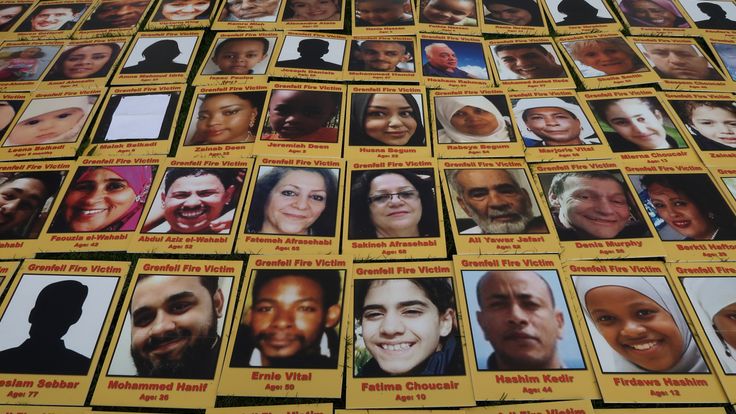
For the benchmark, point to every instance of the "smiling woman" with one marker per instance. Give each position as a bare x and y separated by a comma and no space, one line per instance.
608,56
386,119
84,62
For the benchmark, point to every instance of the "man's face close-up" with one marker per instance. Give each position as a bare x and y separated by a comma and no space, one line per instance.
553,124
519,320
19,199
174,324
121,13
443,58
382,56
594,207
529,63
192,202
678,61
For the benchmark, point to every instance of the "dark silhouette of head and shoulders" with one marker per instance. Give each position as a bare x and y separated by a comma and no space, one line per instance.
311,52
717,17
579,12
158,57
58,307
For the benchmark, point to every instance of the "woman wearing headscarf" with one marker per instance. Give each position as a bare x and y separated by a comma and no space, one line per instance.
379,119
470,119
716,305
513,12
652,13
642,325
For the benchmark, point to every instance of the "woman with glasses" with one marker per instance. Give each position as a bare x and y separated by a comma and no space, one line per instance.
393,204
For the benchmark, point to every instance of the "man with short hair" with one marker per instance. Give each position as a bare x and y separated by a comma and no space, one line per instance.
174,331
383,55
291,321
553,122
495,201
673,61
529,61
442,62
22,196
116,14
518,316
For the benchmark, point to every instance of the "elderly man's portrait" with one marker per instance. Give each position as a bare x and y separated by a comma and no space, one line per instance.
55,17
604,57
549,122
636,124
579,12
714,301
393,204
528,61
25,202
116,14
513,12
520,321
195,201
473,119
383,13
136,117
172,328
592,205
311,53
25,63
679,61
294,201
450,59
685,207
159,55
52,324
225,118
406,327
712,14
637,326
712,124
382,56
494,201
240,56
250,11
291,320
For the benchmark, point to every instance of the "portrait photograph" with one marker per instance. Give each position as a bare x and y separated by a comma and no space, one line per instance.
592,205
51,121
312,11
604,57
183,10
303,115
250,11
527,61
312,299
25,63
711,123
714,301
613,305
26,199
160,55
653,13
294,201
8,110
85,61
685,207
389,55
540,336
10,13
579,12
553,121
104,199
137,117
116,14
473,119
679,61
494,201
52,323
448,12
225,118
712,14
521,13
452,59
387,119
406,328
392,204
54,17
382,13
300,52
195,201
240,56
730,183
172,327
727,54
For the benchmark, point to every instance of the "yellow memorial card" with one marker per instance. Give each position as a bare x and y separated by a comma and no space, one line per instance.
681,64
576,17
712,17
594,211
174,15
136,120
691,215
312,16
194,206
508,57
305,55
236,58
168,347
223,121
560,407
405,344
667,19
86,63
709,294
709,121
158,57
521,19
653,138
554,126
54,322
454,18
494,208
325,408
293,207
524,337
723,47
451,62
596,71
25,62
16,11
638,338
383,58
7,270
70,113
387,122
30,190
394,210
474,123
427,411
376,17
113,18
302,119
29,409
234,15
269,357
101,206
53,19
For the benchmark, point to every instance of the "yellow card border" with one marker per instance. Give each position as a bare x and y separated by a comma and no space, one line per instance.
308,73
231,80
409,29
128,32
566,82
54,34
375,76
30,85
447,82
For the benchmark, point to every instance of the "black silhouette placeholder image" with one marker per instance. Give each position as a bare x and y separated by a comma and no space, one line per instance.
159,57
311,53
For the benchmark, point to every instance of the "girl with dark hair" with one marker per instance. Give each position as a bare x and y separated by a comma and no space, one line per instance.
379,119
226,118
85,62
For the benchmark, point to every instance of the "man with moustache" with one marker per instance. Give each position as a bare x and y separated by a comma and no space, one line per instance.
174,330
672,61
529,61
291,322
518,316
442,62
495,201
383,55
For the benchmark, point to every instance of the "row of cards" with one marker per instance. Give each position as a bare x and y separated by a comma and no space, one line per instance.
392,209
416,334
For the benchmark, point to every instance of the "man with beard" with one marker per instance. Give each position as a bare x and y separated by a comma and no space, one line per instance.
384,55
495,201
174,326
529,61
291,322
